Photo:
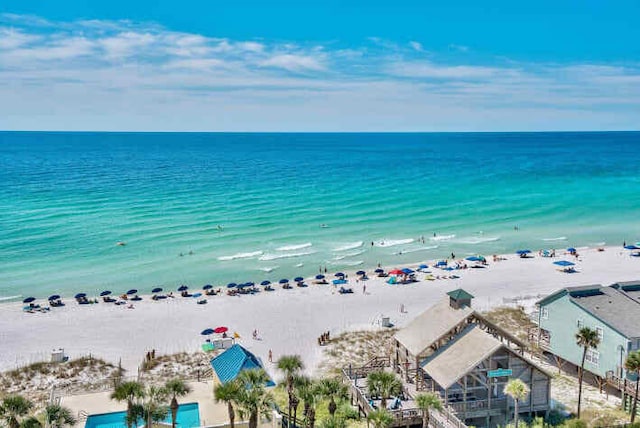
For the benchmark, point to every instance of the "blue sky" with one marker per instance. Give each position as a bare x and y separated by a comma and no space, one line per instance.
319,66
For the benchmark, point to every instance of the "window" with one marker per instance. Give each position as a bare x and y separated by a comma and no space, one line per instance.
580,324
593,357
545,313
600,333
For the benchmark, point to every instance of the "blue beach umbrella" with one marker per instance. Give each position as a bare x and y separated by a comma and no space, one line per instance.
105,293
249,284
407,271
523,252
207,332
80,295
320,276
183,288
361,272
631,247
54,297
232,285
132,291
475,259
441,263
564,263
283,281
571,250
29,300
339,274
196,295
379,270
265,283
299,279
207,287
157,290
421,267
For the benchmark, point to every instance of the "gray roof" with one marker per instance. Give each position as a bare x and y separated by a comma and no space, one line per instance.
431,325
460,356
615,308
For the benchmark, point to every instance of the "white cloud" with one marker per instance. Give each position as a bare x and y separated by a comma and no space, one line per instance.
126,44
11,39
293,62
427,69
416,46
459,48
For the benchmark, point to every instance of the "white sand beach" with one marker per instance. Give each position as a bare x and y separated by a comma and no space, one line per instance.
287,321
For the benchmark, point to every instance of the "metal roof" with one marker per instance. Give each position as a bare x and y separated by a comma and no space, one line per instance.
231,362
615,308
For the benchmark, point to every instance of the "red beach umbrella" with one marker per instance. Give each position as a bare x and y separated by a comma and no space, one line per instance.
220,330
396,272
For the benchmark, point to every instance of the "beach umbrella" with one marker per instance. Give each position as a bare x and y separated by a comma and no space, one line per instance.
231,285
157,290
571,250
207,287
407,271
132,291
475,259
421,267
80,295
265,282
29,300
196,295
379,270
283,281
396,272
441,263
54,297
523,252
319,276
249,284
207,332
219,330
563,263
105,293
361,272
183,288
631,247
339,274
299,279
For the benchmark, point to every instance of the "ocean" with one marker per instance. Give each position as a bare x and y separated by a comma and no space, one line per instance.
213,208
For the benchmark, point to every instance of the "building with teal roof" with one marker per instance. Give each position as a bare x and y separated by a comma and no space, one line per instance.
228,365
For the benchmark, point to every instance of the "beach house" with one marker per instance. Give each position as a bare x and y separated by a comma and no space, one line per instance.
612,311
453,350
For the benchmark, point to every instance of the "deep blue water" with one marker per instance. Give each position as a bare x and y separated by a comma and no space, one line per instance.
246,204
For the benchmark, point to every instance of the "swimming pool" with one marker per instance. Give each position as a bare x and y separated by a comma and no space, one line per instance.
188,417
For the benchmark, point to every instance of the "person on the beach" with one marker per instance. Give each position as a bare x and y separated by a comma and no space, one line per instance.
402,308
255,334
270,356
453,256
364,288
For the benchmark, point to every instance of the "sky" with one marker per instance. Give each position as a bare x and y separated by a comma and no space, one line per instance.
334,66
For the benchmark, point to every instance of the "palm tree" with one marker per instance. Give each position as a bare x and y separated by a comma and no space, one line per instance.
31,422
425,403
333,422
587,339
632,364
380,418
13,408
333,388
254,399
57,416
153,407
129,392
176,388
228,393
310,392
517,390
290,365
384,385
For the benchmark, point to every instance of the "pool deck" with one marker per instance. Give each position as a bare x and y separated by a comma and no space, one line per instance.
211,413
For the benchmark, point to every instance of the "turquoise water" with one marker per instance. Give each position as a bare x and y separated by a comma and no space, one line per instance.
215,208
188,416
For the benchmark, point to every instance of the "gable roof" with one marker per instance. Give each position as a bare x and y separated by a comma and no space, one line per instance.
431,325
460,356
231,362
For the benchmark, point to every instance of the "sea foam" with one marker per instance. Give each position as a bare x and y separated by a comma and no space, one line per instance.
393,242
241,256
414,250
294,247
476,241
559,238
442,237
350,246
267,257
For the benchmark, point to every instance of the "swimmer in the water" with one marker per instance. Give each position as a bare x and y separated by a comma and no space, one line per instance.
121,244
